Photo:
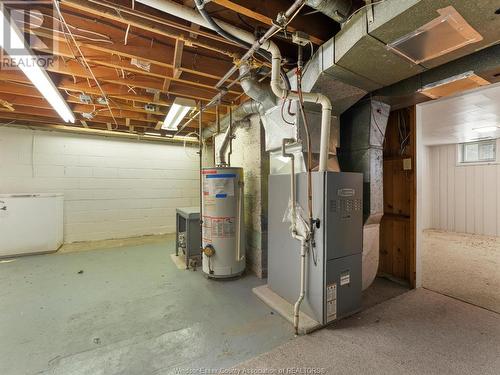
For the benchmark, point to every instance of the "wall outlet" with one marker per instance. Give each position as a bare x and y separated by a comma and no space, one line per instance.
407,164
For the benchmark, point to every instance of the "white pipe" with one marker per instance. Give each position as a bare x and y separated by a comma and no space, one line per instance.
296,307
302,237
292,182
326,105
193,16
240,218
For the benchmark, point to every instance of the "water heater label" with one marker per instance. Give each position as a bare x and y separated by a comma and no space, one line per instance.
220,185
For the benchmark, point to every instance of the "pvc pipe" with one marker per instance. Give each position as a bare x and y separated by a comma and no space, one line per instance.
292,182
240,218
296,307
326,111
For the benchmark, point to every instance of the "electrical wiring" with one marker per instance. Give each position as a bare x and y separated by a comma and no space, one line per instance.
309,156
185,151
359,9
283,114
219,30
56,4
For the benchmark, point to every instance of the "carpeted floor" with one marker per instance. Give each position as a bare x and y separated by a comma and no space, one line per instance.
419,332
463,266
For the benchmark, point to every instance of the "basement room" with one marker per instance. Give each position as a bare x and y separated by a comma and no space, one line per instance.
249,187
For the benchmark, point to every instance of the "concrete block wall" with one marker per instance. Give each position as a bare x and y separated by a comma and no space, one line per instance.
113,188
248,153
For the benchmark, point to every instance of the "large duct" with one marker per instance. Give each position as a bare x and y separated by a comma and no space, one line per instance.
362,133
338,10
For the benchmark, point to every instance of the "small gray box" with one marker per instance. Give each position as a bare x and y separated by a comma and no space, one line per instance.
188,234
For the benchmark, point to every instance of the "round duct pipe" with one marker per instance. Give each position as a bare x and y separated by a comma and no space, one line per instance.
338,10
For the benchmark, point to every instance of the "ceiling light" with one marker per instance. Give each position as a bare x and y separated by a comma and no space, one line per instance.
22,57
486,129
177,112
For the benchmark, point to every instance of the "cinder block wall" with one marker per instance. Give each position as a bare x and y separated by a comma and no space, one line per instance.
113,188
248,153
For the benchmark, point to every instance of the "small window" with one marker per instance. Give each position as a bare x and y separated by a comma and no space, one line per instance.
478,152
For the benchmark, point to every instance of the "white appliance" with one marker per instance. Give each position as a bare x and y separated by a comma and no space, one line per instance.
223,226
30,223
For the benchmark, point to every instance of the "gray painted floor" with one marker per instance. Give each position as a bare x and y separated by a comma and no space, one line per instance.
419,332
131,311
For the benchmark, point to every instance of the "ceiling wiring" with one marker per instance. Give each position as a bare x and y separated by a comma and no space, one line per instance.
89,69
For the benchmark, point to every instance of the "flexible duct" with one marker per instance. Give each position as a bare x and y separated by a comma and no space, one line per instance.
338,10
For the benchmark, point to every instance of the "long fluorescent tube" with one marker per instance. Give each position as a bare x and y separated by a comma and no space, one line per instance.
26,60
486,129
177,112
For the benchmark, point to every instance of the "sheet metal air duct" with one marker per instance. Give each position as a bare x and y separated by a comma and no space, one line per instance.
338,10
362,133
262,99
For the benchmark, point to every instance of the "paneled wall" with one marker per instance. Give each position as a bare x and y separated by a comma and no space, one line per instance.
398,225
465,198
112,188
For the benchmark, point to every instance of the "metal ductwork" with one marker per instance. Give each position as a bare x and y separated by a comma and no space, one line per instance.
258,91
338,10
362,133
250,107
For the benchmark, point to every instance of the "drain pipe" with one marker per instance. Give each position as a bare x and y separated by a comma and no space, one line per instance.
302,237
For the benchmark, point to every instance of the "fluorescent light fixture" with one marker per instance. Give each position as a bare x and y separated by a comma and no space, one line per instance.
177,112
152,134
26,60
486,129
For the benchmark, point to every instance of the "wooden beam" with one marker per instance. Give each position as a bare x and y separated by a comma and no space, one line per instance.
257,16
139,20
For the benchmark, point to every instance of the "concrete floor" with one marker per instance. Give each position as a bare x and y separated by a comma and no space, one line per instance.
419,332
130,311
463,266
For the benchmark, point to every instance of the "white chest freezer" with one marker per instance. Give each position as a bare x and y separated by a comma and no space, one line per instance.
30,223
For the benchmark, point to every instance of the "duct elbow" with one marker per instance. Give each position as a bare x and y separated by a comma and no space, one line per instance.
259,92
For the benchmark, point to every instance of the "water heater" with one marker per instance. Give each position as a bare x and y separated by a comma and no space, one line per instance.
223,226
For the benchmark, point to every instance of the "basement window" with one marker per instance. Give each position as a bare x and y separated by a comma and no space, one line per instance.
477,152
